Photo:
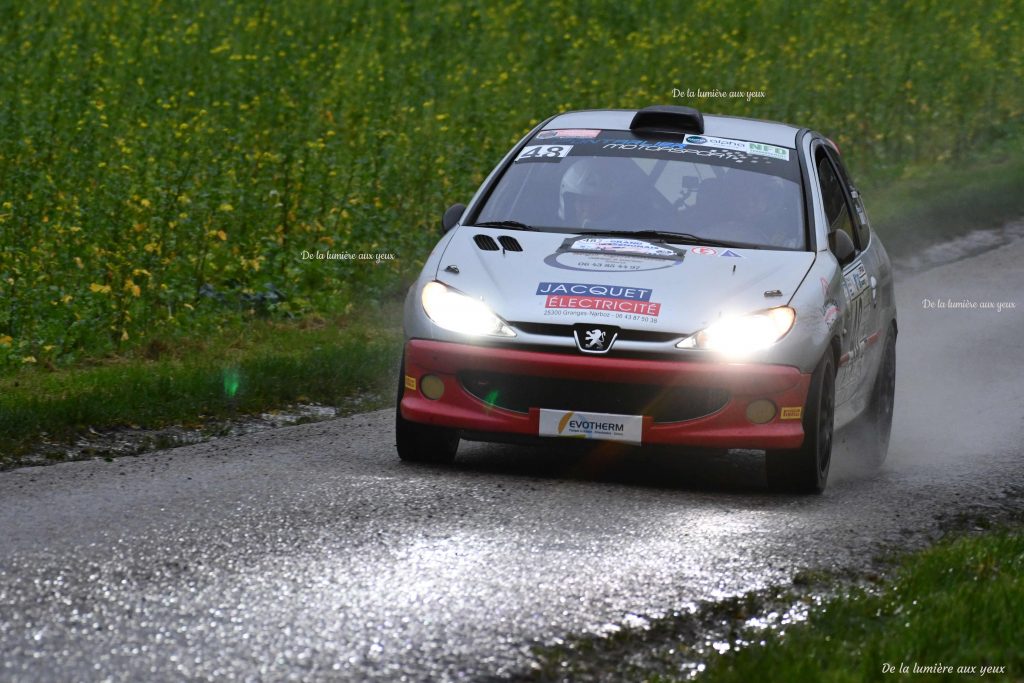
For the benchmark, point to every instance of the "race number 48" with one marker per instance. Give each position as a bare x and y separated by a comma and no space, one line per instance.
544,152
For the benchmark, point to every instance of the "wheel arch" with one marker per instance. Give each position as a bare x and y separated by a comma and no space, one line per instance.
836,349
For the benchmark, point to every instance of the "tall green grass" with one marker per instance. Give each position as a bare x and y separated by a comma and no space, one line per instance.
163,166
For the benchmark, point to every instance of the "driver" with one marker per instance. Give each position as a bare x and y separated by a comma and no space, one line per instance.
754,214
765,209
758,202
588,196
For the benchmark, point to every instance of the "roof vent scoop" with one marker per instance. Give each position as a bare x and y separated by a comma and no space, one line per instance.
668,118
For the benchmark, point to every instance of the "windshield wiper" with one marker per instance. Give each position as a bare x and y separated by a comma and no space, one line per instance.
511,225
668,236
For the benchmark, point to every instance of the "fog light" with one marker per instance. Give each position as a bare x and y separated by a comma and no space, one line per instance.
760,411
433,388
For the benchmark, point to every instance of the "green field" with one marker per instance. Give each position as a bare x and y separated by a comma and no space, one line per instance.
164,167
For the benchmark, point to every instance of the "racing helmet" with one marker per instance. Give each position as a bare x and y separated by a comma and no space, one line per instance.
582,185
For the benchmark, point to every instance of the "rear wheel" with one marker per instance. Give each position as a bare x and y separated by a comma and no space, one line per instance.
805,469
422,443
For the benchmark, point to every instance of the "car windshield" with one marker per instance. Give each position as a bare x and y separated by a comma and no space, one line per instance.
717,189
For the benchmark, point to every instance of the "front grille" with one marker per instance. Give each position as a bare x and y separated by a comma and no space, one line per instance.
663,403
625,334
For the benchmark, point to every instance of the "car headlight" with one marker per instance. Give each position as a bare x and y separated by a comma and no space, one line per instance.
459,313
742,335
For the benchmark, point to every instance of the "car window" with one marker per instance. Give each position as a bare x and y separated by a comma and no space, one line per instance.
836,210
719,189
860,217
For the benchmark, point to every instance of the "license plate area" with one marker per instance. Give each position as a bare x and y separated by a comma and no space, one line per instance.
574,424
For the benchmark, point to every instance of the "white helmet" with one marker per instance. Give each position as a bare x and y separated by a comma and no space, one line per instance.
582,182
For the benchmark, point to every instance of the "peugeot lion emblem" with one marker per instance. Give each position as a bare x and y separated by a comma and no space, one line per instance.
594,338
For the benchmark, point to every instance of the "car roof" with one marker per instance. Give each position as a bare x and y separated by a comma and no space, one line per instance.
752,130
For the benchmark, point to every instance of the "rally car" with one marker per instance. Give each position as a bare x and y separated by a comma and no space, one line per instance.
656,277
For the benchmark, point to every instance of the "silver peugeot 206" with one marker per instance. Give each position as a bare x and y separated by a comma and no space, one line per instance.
656,277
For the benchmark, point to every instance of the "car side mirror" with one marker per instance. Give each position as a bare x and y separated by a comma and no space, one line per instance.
451,216
841,246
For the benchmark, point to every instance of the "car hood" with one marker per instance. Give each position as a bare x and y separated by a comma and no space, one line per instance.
558,278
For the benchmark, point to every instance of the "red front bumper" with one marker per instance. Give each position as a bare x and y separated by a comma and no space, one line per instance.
728,427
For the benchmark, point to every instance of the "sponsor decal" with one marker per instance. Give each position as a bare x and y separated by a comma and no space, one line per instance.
724,143
544,153
644,146
612,298
758,157
641,146
567,133
614,255
769,151
604,304
792,413
410,382
860,276
610,291
598,303
579,425
607,263
711,251
621,246
855,280
830,314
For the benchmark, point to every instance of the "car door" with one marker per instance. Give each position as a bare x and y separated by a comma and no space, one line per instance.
860,316
878,271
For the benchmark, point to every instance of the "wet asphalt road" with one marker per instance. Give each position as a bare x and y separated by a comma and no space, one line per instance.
312,553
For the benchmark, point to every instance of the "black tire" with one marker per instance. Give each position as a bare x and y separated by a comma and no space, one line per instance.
419,442
805,469
874,426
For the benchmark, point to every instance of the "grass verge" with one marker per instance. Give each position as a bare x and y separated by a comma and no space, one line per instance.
955,604
246,368
952,611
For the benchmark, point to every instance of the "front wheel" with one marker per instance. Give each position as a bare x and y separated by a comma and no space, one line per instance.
422,443
805,469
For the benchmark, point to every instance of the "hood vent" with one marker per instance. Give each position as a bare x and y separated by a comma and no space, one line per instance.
485,242
510,243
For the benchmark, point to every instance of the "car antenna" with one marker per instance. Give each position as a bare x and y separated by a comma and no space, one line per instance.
734,267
